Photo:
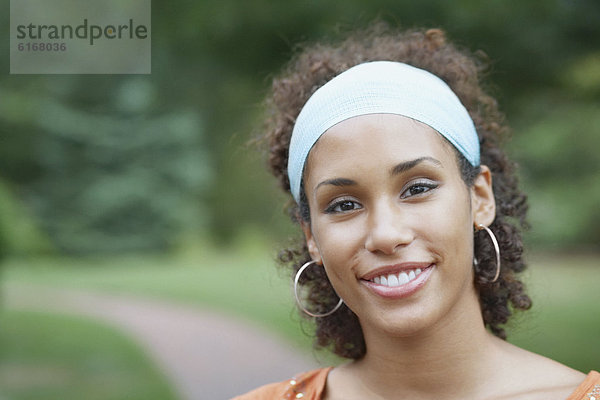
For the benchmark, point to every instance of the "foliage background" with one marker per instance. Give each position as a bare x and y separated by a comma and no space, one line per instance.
118,163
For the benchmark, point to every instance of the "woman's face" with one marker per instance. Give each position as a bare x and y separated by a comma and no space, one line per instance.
392,222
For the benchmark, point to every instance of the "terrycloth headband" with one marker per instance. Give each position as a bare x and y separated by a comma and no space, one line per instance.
381,87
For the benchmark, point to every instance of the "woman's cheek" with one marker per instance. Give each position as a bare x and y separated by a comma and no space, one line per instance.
337,239
339,244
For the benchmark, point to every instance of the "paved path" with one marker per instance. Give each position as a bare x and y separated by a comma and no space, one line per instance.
205,355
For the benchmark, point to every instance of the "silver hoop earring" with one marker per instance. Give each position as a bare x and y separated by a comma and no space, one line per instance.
496,248
296,279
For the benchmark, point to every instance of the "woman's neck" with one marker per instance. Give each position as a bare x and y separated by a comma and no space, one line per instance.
448,360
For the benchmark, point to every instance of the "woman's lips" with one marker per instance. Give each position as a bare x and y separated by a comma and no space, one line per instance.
399,282
395,269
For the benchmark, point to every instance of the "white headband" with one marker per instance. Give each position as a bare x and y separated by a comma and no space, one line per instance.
381,87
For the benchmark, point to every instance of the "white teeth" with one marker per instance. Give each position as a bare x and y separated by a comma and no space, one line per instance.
403,278
393,280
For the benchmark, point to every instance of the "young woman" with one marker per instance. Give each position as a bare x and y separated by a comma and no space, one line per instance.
411,217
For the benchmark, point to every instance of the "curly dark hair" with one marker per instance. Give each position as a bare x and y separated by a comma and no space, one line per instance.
314,66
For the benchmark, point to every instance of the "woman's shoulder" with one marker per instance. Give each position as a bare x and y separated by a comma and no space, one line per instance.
536,376
307,385
522,374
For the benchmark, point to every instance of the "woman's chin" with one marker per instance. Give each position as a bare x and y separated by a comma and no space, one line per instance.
401,323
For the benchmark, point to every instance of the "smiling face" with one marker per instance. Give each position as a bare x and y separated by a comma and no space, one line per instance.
392,222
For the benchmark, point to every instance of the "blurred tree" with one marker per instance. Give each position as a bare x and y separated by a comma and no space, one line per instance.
557,145
118,179
19,231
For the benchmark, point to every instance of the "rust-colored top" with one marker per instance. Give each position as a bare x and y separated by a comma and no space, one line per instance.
310,386
589,389
306,386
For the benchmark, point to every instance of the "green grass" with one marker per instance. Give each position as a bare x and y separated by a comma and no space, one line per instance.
52,357
563,324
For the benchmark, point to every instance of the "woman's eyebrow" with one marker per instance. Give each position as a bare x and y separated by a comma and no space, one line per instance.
337,182
398,169
407,165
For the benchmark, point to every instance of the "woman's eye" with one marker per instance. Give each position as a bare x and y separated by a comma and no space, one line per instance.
418,188
343,206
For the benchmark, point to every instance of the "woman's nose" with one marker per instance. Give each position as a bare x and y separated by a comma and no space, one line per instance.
388,228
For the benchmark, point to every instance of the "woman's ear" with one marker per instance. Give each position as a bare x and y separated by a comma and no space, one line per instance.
482,198
313,249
